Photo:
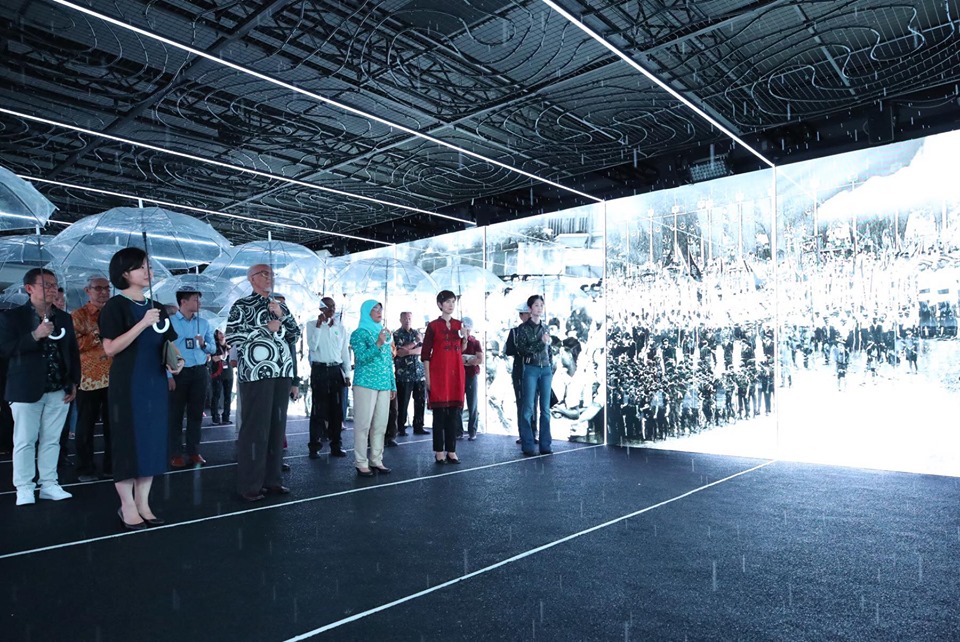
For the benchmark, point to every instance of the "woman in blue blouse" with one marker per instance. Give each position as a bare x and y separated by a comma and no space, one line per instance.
374,386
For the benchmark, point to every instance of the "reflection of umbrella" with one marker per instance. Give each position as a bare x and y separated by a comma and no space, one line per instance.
176,240
213,292
288,260
464,279
22,207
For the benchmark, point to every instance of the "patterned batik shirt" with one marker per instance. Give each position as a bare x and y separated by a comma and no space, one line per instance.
94,362
261,354
409,368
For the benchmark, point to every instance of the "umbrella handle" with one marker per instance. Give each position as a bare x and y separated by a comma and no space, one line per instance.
160,329
54,337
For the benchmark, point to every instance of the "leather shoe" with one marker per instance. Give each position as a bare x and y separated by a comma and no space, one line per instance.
546,452
131,527
275,490
526,454
391,443
314,454
401,433
383,470
338,452
422,431
251,497
156,521
284,468
452,461
361,473
197,460
178,462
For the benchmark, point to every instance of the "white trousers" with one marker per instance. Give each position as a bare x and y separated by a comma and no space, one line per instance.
371,408
38,422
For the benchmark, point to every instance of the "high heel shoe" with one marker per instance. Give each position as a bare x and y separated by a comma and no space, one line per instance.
130,527
450,460
361,473
156,521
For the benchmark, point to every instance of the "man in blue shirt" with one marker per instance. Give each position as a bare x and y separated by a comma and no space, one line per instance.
188,390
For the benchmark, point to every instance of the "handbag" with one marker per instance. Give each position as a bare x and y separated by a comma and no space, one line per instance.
171,355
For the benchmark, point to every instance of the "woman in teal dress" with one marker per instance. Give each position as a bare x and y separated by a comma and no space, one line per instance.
374,386
137,396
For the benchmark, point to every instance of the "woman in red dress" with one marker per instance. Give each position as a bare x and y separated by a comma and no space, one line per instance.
442,352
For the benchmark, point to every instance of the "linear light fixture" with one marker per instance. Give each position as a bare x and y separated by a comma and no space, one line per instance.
244,170
659,83
318,97
251,219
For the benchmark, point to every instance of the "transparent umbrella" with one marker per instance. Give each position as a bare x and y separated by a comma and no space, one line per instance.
464,279
384,278
302,302
288,260
175,240
213,292
22,207
25,250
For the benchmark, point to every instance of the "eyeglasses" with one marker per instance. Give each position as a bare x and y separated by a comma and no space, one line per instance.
46,285
264,273
99,288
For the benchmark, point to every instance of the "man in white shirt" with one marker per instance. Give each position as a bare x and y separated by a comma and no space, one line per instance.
328,344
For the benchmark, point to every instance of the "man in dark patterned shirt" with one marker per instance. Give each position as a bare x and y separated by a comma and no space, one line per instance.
262,330
410,375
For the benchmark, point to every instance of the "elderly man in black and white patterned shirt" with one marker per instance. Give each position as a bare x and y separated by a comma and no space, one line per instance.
262,331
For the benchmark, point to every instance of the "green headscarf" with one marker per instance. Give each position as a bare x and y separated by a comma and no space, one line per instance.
368,324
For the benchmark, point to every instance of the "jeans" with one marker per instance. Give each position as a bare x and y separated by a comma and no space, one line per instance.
537,381
473,413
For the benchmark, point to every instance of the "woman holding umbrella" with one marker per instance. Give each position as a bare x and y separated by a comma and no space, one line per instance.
374,386
137,395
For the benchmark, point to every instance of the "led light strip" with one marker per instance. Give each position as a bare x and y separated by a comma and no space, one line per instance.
236,168
659,83
33,179
319,98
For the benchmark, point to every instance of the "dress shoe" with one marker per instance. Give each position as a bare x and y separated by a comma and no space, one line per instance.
130,527
314,454
54,493
88,477
526,454
452,461
338,452
361,473
251,497
25,496
178,462
383,470
216,420
519,441
401,433
275,490
225,421
197,460
546,452
284,468
472,438
156,521
391,443
422,431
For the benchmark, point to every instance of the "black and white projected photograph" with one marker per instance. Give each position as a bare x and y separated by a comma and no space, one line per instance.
843,349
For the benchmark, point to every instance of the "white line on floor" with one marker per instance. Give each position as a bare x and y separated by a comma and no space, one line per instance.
291,503
517,557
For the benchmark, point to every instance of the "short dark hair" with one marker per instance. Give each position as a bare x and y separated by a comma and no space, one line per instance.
30,278
183,295
533,299
129,258
445,295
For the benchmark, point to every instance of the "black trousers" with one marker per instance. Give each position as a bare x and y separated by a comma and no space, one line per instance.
91,406
326,406
6,427
447,426
221,388
405,390
263,422
189,395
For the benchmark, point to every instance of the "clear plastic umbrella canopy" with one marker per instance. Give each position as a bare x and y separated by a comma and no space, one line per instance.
288,260
22,207
302,302
213,292
25,250
394,283
175,240
465,279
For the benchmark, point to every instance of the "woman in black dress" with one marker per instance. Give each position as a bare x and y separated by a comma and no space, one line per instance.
137,397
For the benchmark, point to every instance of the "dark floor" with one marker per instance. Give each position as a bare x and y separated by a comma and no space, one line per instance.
591,543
